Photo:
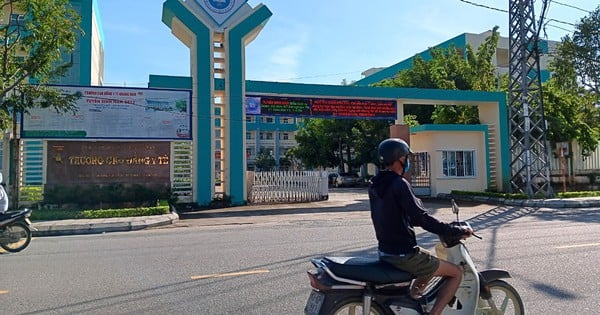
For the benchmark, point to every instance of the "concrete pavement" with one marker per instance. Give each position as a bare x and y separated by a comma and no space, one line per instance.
346,201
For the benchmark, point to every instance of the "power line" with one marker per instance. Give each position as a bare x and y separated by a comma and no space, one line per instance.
484,6
541,24
571,6
562,22
556,26
325,75
506,11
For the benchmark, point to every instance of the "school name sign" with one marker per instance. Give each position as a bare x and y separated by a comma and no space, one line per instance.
106,162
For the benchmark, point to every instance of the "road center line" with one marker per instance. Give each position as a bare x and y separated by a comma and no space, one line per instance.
230,274
579,245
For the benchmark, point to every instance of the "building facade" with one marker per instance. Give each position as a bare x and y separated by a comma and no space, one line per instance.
460,42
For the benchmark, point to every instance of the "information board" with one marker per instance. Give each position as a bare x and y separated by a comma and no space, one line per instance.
321,107
115,113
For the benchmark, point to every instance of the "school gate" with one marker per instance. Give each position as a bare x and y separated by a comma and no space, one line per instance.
217,35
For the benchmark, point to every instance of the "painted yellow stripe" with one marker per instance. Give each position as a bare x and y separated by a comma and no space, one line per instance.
231,274
579,245
3,291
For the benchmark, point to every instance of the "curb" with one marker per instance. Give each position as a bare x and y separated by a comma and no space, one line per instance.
96,226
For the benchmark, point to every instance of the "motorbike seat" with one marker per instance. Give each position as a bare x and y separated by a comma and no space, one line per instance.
13,214
366,269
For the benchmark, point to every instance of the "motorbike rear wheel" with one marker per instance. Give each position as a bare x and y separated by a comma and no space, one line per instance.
15,237
354,306
505,300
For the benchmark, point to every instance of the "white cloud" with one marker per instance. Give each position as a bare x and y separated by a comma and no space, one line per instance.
283,63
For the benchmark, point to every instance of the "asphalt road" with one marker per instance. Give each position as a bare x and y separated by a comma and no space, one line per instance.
225,264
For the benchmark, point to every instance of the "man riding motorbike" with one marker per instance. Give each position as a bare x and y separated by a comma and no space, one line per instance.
395,211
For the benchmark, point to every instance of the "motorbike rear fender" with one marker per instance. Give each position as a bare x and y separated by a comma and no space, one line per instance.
486,276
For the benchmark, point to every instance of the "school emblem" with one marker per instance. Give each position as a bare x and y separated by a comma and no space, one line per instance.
220,6
220,10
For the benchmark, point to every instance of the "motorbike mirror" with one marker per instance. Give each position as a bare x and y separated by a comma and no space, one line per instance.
454,208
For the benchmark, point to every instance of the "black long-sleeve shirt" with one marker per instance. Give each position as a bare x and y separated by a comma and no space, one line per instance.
395,210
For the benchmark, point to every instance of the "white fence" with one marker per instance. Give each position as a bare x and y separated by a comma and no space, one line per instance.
287,186
582,165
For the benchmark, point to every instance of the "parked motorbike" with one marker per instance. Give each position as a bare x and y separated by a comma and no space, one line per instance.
15,230
361,285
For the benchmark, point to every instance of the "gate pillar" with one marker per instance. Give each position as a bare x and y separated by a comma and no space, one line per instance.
217,33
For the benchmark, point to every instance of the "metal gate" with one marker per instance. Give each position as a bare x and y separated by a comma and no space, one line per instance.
421,174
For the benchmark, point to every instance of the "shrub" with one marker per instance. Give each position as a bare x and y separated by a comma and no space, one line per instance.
489,194
132,212
577,194
56,214
96,195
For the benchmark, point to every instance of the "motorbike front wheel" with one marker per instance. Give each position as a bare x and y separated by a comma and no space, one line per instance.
354,306
15,237
505,300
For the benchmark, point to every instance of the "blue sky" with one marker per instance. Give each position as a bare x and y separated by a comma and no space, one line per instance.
312,41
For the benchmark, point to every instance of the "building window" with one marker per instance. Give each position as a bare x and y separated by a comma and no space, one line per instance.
250,135
458,163
286,120
268,120
250,119
266,136
284,136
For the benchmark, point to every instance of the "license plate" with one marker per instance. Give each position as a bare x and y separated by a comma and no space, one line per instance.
313,305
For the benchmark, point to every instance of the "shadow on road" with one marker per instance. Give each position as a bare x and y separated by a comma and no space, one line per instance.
589,215
272,210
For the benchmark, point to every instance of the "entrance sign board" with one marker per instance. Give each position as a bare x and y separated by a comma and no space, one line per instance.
321,107
107,162
115,113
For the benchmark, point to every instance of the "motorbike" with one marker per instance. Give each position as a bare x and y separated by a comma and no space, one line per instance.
15,230
368,286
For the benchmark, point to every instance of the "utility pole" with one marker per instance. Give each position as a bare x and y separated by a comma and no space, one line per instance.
530,168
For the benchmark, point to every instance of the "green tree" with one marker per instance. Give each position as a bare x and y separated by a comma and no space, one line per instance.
35,38
581,53
343,143
265,162
450,69
571,95
572,115
314,148
327,143
368,134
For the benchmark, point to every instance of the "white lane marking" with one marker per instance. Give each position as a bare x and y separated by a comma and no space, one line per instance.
230,274
579,245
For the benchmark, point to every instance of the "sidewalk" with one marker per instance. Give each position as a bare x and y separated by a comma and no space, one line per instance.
340,202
